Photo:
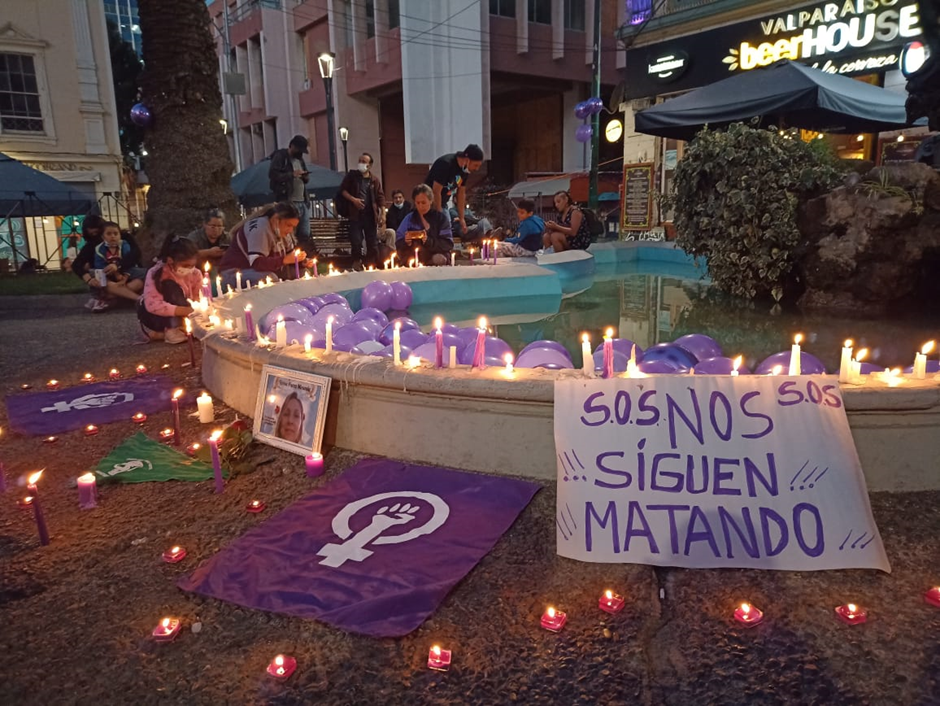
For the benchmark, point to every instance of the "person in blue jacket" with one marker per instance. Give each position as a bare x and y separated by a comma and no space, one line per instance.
528,238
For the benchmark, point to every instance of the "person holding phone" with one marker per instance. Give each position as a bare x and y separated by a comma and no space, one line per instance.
425,232
211,239
288,176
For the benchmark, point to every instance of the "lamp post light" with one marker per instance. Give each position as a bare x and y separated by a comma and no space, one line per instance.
327,61
344,136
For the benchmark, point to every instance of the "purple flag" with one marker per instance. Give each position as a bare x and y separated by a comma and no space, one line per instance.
41,413
374,552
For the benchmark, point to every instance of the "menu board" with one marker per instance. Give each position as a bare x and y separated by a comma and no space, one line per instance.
637,211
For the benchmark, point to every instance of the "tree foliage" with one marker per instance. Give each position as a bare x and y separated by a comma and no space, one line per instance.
125,71
735,197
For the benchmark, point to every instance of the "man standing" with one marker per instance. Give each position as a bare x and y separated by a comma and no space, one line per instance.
365,210
449,174
288,176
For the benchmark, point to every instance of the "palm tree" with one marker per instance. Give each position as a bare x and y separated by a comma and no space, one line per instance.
188,160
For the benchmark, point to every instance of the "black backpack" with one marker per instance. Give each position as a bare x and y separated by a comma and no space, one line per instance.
595,225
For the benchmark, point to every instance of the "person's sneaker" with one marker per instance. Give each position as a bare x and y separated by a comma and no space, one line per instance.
90,304
174,336
100,306
357,266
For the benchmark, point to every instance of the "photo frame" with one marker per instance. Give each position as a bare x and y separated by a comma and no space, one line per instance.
291,409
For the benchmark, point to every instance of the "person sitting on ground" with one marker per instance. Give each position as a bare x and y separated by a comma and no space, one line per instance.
83,264
528,238
571,230
118,257
477,230
394,215
169,287
211,239
261,245
425,231
290,421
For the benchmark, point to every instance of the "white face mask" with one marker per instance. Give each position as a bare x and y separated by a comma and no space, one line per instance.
363,167
399,205
185,271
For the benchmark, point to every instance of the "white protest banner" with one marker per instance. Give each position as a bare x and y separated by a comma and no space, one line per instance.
711,472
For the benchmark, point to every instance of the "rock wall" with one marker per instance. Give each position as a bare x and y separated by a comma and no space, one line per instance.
867,241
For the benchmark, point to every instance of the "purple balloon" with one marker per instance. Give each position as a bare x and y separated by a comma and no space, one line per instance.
372,314
428,351
809,364
368,348
402,295
495,347
584,133
620,361
351,335
311,304
141,115
582,110
681,358
546,344
624,345
660,367
699,345
595,105
335,298
450,328
719,365
389,352
296,331
413,338
543,358
377,295
341,315
389,331
289,312
374,327
467,335
869,368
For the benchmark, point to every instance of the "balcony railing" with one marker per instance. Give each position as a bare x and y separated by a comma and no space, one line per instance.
246,8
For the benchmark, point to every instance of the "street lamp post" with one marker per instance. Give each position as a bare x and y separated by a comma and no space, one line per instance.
596,118
344,136
327,62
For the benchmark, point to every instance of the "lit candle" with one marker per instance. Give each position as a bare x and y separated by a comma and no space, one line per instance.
308,342
610,602
25,503
438,659
52,385
216,460
192,345
91,430
396,343
391,260
736,363
417,258
207,283
26,386
114,374
413,361
141,369
438,343
255,506
174,555
452,363
87,491
608,353
238,280
453,258
139,418
748,614
851,614
281,667
88,377
193,448
314,464
175,406
932,596
218,284
297,263
316,269
855,367
37,508
479,351
329,335
229,324
167,435
50,439
632,370
205,408
471,255
485,251
307,274
845,365
166,630
554,620
587,358
795,355
249,323
920,361
280,332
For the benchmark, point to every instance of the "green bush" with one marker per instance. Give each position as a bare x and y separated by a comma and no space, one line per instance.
735,198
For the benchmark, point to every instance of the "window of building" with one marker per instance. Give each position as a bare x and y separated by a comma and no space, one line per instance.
540,11
394,13
19,94
574,15
370,20
503,8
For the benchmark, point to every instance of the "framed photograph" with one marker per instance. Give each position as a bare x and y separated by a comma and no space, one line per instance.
291,409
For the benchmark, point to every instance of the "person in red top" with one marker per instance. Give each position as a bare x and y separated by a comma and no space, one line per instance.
168,288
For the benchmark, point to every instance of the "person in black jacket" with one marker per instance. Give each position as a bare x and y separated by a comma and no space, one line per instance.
394,215
365,209
84,263
288,176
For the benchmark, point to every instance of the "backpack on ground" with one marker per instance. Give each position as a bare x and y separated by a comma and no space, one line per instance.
595,225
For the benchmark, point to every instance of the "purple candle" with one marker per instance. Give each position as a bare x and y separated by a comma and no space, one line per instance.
37,508
314,464
249,323
176,416
608,353
479,352
438,343
216,460
87,492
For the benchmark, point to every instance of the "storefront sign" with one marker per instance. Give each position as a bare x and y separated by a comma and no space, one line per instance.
637,211
668,67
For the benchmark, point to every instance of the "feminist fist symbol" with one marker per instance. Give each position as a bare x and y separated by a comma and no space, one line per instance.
354,547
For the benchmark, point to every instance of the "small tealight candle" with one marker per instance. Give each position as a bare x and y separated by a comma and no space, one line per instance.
281,667
748,615
87,491
50,439
174,555
851,614
554,620
88,377
314,464
26,386
795,355
736,363
25,503
255,506
610,602
141,369
91,430
855,367
439,659
508,370
166,435
114,374
932,596
166,630
139,418
52,385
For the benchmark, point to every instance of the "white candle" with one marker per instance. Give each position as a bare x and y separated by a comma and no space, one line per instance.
632,370
736,364
855,367
329,335
587,358
508,359
453,259
218,284
452,363
308,340
391,261
204,406
920,361
846,362
280,333
795,354
238,280
396,343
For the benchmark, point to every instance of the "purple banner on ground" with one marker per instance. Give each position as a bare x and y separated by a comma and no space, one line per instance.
374,551
41,413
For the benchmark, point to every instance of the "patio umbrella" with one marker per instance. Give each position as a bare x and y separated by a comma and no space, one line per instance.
25,191
253,189
788,92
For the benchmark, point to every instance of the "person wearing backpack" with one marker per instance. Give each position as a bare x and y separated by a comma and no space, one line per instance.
571,231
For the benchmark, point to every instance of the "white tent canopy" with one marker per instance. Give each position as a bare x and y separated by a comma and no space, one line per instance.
539,187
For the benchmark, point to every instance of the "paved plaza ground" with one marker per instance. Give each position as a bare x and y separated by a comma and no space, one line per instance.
77,614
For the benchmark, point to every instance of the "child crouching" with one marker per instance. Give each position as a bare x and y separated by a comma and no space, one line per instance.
528,237
168,288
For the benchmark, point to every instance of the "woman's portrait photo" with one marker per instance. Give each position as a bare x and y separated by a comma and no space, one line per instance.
291,409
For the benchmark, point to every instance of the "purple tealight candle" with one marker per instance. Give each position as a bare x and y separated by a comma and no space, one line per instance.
479,352
87,491
438,343
314,464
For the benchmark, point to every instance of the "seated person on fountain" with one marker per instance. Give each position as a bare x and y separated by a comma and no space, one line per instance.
528,237
425,232
168,288
261,245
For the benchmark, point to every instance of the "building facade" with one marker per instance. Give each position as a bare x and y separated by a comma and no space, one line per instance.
123,13
415,79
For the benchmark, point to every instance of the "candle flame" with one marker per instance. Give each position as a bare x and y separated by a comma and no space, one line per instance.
438,322
189,326
87,477
88,376
798,338
329,320
550,612
927,347
482,322
307,275
114,371
255,503
207,267
196,446
308,339
861,354
508,358
297,252
848,343
585,338
33,478
280,318
745,608
413,361
165,623
247,307
852,608
608,595
436,649
90,427
216,435
53,382
177,394
609,333
737,362
279,660
175,550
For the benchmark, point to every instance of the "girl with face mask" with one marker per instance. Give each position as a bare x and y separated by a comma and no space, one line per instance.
168,289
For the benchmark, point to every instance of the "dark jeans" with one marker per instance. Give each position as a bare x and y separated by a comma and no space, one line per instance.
364,229
174,295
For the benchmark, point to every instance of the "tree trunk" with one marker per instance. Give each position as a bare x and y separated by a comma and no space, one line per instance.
188,162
